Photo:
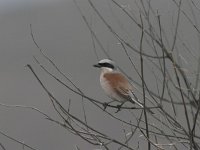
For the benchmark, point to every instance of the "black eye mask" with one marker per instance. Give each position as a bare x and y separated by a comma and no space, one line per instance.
107,65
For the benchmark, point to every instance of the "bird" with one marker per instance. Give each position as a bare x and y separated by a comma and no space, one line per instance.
115,84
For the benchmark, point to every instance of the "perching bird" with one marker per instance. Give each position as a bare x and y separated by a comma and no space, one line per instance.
115,84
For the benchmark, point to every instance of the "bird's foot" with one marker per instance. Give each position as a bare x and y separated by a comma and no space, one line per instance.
118,108
105,106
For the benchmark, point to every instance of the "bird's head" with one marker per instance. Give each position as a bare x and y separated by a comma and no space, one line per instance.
106,64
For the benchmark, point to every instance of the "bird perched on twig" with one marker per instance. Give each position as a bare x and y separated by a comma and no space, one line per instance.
116,85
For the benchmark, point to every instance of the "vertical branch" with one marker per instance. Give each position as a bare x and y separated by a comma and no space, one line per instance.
176,28
198,35
197,78
195,122
164,66
184,104
143,84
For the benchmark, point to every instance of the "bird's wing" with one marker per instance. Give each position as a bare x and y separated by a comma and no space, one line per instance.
120,84
127,94
123,91
122,87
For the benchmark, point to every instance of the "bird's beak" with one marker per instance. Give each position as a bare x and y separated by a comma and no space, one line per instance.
97,65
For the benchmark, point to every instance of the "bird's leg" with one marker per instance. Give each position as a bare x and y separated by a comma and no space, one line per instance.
119,107
106,104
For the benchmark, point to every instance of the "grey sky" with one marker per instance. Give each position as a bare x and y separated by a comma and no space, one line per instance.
18,86
61,32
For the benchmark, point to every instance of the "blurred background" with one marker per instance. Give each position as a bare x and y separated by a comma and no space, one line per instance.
60,31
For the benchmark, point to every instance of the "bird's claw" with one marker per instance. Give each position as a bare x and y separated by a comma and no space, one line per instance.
105,106
118,108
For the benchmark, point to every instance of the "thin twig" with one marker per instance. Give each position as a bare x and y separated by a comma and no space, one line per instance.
17,141
143,86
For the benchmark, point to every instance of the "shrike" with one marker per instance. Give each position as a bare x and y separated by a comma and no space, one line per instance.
115,84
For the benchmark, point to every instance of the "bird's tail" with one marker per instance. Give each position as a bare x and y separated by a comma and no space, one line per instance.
135,100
